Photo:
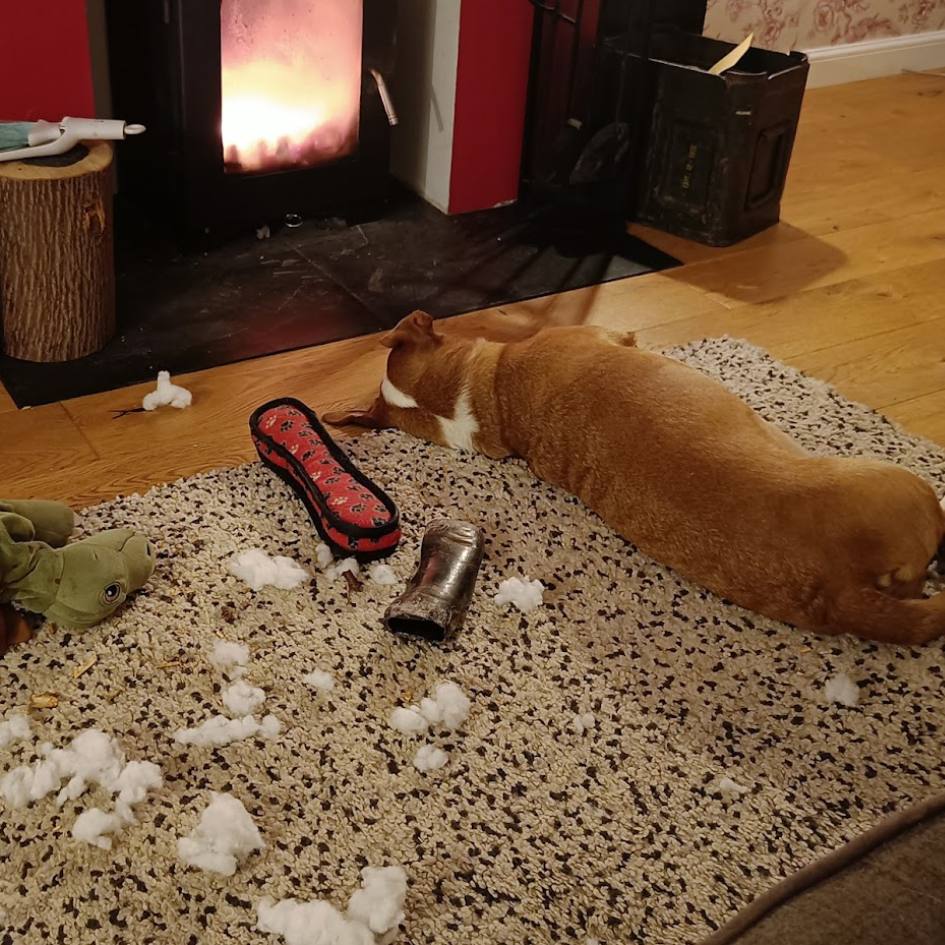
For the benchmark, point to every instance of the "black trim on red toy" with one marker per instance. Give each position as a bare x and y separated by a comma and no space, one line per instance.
320,513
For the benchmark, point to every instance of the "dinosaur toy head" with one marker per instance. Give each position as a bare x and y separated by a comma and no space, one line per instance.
78,585
98,574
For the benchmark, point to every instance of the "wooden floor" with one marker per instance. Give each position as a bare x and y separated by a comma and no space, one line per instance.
850,288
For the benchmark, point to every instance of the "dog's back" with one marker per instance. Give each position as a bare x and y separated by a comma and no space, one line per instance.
688,472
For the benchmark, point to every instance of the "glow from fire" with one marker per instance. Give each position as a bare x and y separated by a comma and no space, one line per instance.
290,82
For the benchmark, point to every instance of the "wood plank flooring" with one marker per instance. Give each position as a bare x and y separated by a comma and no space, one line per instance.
850,287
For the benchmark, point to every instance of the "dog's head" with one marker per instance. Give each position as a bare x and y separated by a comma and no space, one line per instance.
425,391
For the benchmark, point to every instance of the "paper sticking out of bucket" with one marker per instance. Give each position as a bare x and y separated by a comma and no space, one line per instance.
732,59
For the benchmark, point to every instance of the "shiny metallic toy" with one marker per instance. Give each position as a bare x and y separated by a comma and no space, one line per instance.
437,597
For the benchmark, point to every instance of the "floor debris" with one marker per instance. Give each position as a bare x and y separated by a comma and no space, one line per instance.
225,835
374,913
219,730
320,680
260,570
14,729
521,593
430,758
167,394
842,690
85,667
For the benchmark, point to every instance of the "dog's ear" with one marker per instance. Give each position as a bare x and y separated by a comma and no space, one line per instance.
416,328
374,417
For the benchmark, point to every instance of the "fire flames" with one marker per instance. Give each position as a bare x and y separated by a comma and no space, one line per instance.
290,82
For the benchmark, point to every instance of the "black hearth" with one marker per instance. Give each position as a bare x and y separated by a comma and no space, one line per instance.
257,110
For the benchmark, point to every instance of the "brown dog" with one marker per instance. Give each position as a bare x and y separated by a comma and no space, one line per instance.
684,469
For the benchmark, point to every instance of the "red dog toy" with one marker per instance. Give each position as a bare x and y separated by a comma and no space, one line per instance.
352,515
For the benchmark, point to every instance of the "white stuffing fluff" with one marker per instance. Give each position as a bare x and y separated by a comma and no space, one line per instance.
320,680
430,758
383,574
167,394
259,570
334,571
842,690
376,909
230,658
240,698
16,728
582,723
731,790
92,758
449,707
323,556
430,709
379,903
92,825
522,593
133,784
452,704
224,836
310,923
219,730
409,721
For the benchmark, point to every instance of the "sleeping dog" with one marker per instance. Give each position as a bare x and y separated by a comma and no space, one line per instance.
682,468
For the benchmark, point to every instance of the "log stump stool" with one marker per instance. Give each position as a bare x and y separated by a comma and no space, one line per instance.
57,272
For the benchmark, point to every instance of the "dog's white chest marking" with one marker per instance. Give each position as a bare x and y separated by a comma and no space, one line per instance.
394,396
459,432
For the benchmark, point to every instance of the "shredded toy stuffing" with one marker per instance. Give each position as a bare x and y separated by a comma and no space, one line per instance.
224,836
379,903
92,758
310,923
92,825
582,723
230,658
731,790
448,707
167,394
383,574
431,710
16,728
522,593
335,571
320,680
409,721
430,758
323,556
452,704
259,570
137,778
842,690
376,909
240,698
219,730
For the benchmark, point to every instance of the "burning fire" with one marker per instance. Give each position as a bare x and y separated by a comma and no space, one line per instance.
290,82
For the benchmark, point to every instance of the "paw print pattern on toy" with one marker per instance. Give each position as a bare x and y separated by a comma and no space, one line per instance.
363,508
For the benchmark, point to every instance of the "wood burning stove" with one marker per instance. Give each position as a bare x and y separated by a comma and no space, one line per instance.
257,110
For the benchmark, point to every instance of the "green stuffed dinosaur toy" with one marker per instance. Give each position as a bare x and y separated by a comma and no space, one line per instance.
73,585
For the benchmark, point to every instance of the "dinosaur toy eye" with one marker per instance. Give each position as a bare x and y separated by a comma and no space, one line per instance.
112,593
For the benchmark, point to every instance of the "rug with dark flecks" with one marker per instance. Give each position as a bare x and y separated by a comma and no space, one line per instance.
531,833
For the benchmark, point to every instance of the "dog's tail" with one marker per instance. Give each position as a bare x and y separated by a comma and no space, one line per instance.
867,612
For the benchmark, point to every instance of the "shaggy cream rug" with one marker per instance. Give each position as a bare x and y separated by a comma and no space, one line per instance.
531,833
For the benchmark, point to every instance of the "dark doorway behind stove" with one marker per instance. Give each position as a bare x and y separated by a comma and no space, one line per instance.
256,109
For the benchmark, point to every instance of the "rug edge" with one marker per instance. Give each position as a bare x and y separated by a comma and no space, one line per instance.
825,868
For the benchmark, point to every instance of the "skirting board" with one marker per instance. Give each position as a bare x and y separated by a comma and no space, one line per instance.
833,65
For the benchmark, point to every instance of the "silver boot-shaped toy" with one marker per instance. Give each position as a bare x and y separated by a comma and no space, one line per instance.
437,597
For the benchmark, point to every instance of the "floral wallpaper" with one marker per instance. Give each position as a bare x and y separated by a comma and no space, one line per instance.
805,24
